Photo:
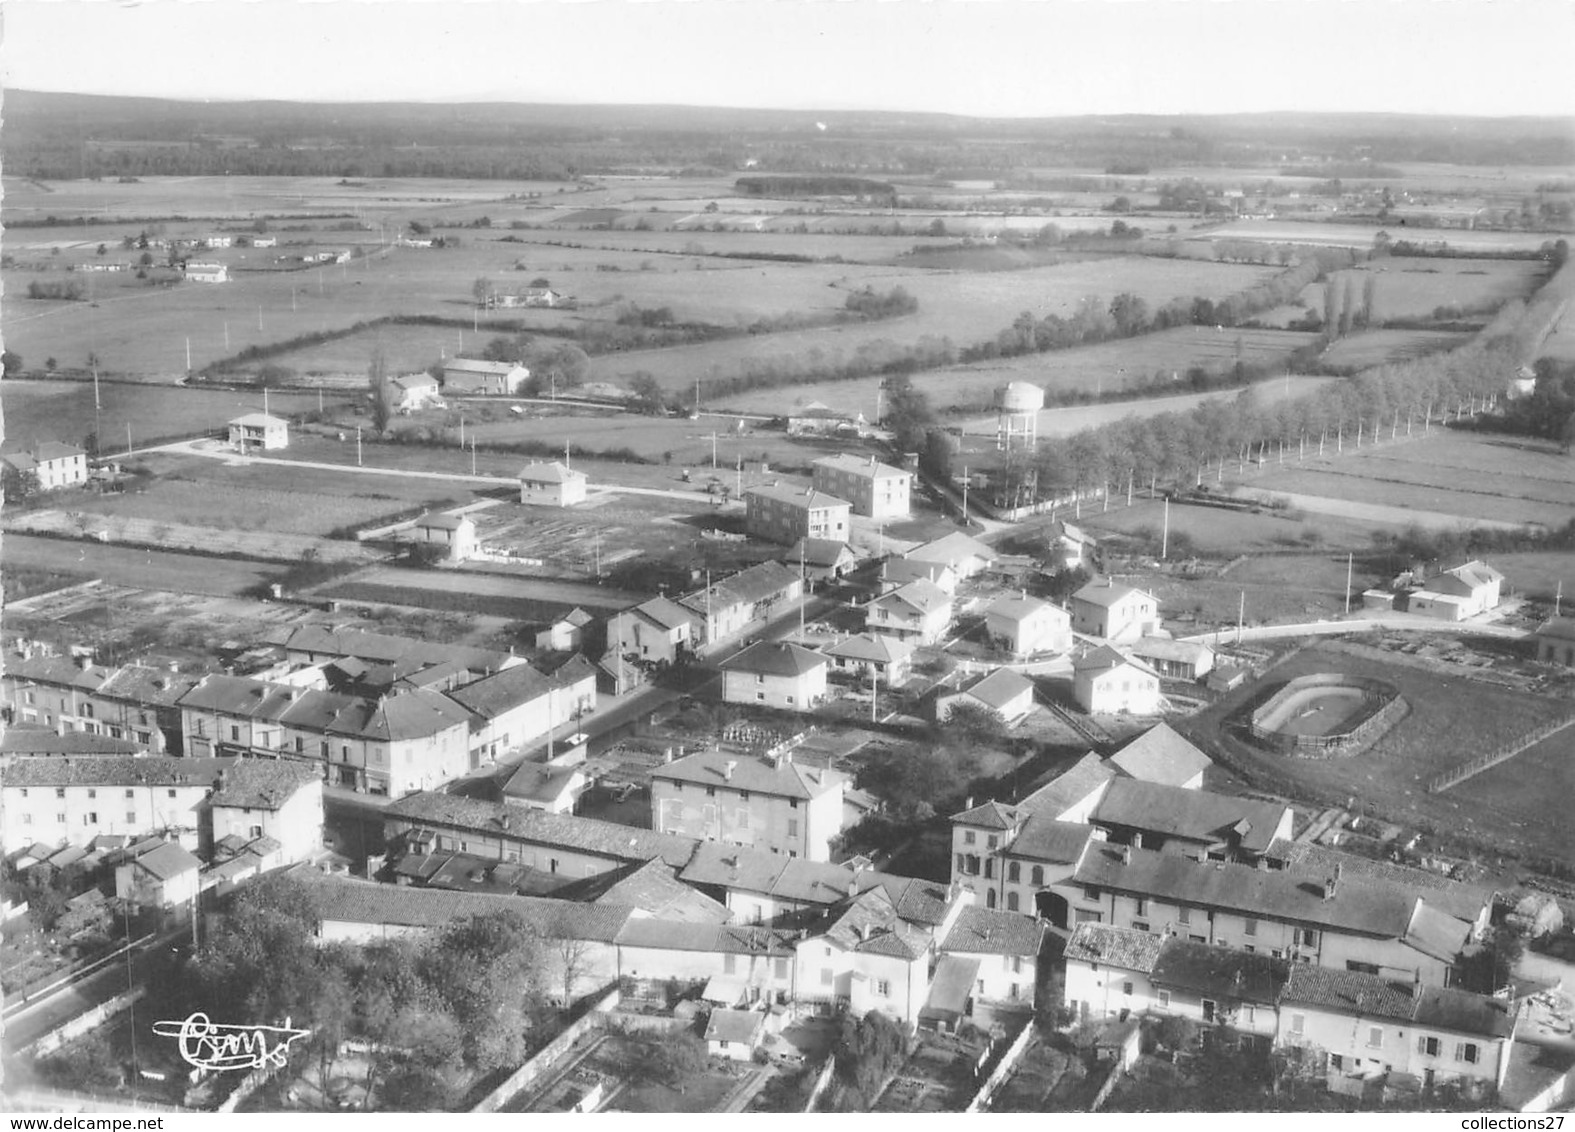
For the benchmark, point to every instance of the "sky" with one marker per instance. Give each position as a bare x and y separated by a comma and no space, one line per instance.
982,57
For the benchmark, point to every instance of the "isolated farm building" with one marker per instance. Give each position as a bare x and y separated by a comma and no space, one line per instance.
657,631
566,632
265,241
217,240
822,559
552,484
543,297
259,430
414,391
552,789
1026,625
775,674
1457,594
890,659
1007,694
767,802
874,489
895,572
455,535
1365,1026
817,419
206,272
163,876
735,1034
1174,660
783,513
918,610
1116,613
53,464
471,377
966,556
1163,756
1555,640
1108,682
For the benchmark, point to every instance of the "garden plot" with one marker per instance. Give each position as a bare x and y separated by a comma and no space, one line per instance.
246,543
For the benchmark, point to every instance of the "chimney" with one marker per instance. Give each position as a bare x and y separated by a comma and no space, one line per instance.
1203,856
727,770
1331,886
968,805
853,886
1126,854
864,932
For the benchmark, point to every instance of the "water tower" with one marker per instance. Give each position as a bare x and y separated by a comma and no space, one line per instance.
1017,414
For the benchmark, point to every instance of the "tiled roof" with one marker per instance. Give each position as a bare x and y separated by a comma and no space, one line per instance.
240,696
915,901
476,365
784,779
1127,948
262,784
921,594
734,866
952,548
1195,815
860,466
1054,842
736,939
1022,608
114,770
387,648
539,783
1106,593
1557,628
999,688
259,420
775,658
1161,755
667,614
1218,972
167,861
1364,909
1436,933
767,579
1165,648
735,1026
987,931
869,924
155,687
1448,1008
441,521
652,887
1349,992
1461,900
872,646
40,741
803,497
1476,573
367,902
502,692
990,815
910,569
1070,787
827,552
550,472
1105,658
497,819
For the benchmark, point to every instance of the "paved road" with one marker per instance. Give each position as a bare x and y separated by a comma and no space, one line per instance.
1408,622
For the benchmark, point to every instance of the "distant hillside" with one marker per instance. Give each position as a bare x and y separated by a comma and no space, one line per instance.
58,136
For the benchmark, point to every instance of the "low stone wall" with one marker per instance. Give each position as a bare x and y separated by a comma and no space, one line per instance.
1002,1070
82,1023
534,1069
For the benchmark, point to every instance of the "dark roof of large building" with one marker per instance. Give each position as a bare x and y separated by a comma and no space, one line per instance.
502,692
988,931
952,548
1193,815
652,887
1055,842
1069,787
167,861
1218,972
114,770
826,552
1362,908
262,784
1373,996
803,497
872,647
869,924
23,739
1459,899
367,902
766,579
386,648
867,466
1162,756
1127,948
775,658
921,594
781,778
1106,658
990,815
497,819
736,939
240,696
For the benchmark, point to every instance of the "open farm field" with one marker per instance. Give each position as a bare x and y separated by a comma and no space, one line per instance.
1219,533
250,197
1538,576
1451,718
128,566
1407,287
1278,590
1469,476
1525,800
64,411
1560,343
965,307
497,595
1367,348
1341,235
873,248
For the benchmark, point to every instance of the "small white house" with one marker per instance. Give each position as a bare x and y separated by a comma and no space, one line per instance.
413,391
1116,613
565,633
206,272
1108,682
735,1034
775,674
919,610
455,534
1008,694
552,484
259,430
1026,625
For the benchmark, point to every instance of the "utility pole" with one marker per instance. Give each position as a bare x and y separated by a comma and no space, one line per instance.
259,319
358,446
1164,539
473,456
1558,597
713,450
188,368
1350,560
128,438
1241,615
874,691
965,496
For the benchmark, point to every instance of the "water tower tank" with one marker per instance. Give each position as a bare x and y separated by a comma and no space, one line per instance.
1020,397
